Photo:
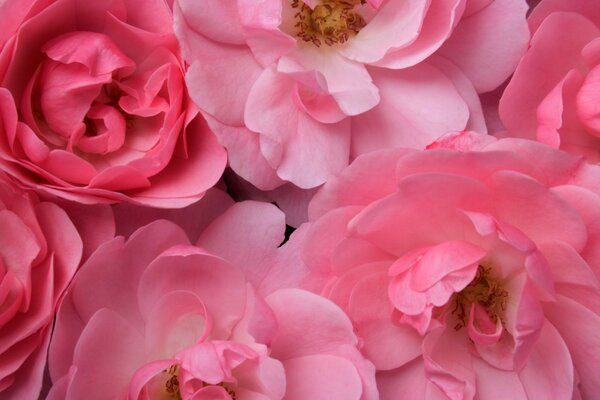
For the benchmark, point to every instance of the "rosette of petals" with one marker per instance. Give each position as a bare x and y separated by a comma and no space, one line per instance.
94,105
155,317
469,271
40,250
553,95
296,89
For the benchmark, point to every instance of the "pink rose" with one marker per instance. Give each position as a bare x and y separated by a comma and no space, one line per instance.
40,250
95,107
155,316
469,271
554,96
294,90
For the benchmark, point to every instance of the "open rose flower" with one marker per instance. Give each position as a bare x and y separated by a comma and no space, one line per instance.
40,250
469,271
554,95
295,89
154,317
95,107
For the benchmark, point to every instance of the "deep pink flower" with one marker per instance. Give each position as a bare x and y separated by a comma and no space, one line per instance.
95,107
469,271
294,90
554,95
40,250
155,316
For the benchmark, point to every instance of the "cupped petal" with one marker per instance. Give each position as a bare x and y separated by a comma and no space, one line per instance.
218,284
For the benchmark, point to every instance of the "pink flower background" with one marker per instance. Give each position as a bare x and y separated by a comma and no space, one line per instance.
287,199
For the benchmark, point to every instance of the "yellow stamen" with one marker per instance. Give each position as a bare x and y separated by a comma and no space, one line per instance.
483,290
331,22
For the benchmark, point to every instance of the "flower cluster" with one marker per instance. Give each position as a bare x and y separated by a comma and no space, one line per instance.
300,199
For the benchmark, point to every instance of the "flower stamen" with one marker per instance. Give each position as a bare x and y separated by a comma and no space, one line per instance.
483,290
331,22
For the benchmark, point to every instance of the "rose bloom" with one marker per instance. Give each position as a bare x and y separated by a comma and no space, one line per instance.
295,89
155,317
554,96
40,250
469,271
95,107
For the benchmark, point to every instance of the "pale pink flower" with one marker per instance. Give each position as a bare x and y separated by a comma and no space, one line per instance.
295,90
40,250
554,95
155,316
94,106
469,271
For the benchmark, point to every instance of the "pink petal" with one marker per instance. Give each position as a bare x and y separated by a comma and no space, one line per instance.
578,326
108,351
254,229
469,46
410,114
535,76
549,370
321,332
321,377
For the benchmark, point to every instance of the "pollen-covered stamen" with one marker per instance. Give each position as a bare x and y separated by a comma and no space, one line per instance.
330,23
171,387
483,290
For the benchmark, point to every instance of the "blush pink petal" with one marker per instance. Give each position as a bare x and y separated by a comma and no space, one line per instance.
221,284
225,102
528,86
178,320
493,383
244,155
584,345
410,380
108,351
448,364
585,202
271,111
93,292
373,170
254,229
551,358
321,377
560,222
324,235
469,47
293,309
348,82
389,346
437,25
464,86
546,7
208,19
402,109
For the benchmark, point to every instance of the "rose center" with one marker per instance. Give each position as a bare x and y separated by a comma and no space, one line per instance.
331,22
170,386
485,291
